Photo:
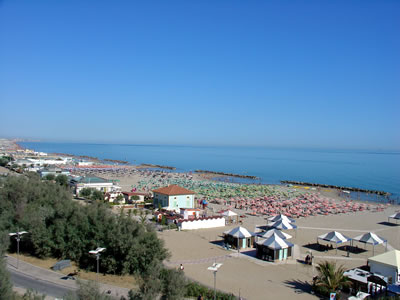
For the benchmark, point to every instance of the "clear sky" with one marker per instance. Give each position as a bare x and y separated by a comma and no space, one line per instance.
216,72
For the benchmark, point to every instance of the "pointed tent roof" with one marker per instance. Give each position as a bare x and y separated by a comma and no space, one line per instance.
281,217
275,242
391,258
239,232
370,238
282,224
229,213
279,233
334,237
395,216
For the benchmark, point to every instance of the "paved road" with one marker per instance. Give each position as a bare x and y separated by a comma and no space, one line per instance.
42,286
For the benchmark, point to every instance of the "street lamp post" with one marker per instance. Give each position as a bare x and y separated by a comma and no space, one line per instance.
17,236
97,254
215,268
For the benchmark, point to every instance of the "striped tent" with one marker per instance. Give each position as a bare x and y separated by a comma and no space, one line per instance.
334,237
282,225
395,216
281,217
279,233
370,238
274,248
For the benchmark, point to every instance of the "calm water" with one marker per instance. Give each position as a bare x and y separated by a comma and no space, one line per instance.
363,169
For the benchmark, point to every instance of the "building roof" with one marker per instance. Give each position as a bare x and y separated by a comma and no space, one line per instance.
275,242
91,179
391,258
239,232
173,189
134,194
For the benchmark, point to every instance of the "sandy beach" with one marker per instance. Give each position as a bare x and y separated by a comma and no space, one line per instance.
243,273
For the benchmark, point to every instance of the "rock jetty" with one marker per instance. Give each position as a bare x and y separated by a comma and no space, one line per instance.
158,166
226,174
329,186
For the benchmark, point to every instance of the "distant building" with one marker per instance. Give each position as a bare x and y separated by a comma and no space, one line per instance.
93,182
53,171
129,195
173,197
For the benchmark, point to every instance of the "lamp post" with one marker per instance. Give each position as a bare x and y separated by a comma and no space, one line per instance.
215,268
97,254
18,238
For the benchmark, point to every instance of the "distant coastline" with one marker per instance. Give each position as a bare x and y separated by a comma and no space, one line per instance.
269,166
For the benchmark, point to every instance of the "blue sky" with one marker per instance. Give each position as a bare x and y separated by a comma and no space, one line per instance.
273,73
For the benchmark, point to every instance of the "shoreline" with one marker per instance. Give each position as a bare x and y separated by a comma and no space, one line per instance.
216,176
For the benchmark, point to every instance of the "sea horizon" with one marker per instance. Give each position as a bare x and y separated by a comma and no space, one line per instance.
367,169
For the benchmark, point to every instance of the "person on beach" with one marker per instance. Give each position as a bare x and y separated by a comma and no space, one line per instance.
181,268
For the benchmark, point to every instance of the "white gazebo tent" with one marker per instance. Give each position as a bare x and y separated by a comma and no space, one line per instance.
283,225
334,237
230,214
239,237
372,239
396,216
281,217
272,231
274,248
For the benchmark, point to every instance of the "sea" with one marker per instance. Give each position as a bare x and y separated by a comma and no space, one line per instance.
366,169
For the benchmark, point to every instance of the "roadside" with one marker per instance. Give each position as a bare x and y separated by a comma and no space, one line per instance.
37,276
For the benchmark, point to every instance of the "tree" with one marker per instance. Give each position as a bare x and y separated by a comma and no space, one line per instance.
97,195
85,192
88,291
149,285
118,199
50,177
62,180
330,277
6,291
173,284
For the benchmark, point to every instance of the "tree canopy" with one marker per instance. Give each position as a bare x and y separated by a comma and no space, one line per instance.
61,228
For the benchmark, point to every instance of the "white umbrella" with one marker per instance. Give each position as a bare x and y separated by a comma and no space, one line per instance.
279,233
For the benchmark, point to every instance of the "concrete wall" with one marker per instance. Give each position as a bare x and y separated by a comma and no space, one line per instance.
202,223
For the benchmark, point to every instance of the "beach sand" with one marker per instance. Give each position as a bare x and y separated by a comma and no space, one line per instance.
256,279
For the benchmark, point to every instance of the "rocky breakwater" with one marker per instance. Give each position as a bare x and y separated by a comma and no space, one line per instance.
226,174
343,188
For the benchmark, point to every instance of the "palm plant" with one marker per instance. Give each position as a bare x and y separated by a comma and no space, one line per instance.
330,277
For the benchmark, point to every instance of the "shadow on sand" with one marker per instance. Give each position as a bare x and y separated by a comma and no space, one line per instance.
299,286
388,224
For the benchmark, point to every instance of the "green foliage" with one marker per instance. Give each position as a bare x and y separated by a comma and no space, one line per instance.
6,291
135,197
62,180
85,192
49,177
119,199
33,295
88,290
330,278
4,160
173,284
149,284
164,220
194,289
97,195
61,228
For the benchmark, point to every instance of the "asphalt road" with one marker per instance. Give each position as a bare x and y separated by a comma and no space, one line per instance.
41,286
